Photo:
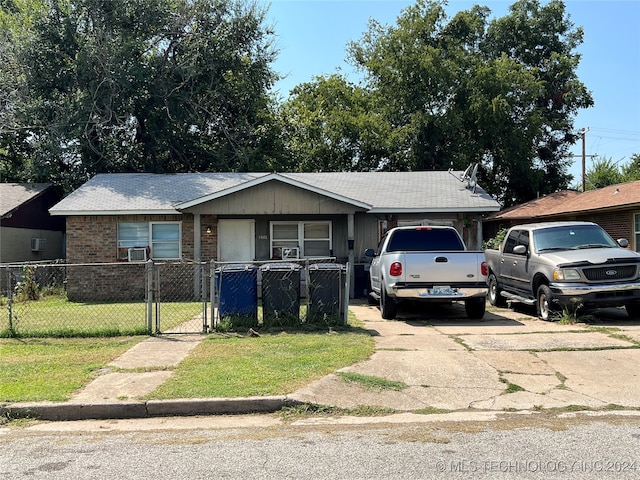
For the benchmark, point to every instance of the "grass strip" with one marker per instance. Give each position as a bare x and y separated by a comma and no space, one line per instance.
272,364
36,369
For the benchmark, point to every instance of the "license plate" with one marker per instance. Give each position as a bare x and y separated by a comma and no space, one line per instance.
441,290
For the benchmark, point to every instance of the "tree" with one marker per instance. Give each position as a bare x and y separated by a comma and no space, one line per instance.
631,171
329,125
603,172
138,85
465,90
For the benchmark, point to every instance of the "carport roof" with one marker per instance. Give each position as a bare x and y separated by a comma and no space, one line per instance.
375,192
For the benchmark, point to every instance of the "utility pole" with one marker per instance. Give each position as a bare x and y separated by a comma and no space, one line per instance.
583,132
584,156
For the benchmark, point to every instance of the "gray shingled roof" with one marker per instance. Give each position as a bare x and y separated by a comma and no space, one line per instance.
12,195
130,193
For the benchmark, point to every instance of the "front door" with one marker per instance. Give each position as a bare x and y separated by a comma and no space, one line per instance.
236,240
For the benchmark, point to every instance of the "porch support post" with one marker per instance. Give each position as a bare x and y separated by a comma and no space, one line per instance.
197,255
351,241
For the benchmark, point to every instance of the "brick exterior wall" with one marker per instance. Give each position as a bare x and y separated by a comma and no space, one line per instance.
94,240
617,224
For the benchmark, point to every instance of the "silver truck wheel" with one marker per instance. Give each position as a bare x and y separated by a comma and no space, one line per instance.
388,308
545,305
495,298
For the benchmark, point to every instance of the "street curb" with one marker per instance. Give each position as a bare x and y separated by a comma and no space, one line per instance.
152,408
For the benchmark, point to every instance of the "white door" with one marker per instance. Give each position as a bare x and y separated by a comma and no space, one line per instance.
236,240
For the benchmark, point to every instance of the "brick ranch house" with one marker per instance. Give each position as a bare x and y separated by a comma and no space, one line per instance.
236,217
615,208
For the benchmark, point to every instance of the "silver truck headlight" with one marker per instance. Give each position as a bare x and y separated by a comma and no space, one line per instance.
566,274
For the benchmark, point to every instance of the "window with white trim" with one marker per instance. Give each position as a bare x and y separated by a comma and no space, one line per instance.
311,239
161,239
636,231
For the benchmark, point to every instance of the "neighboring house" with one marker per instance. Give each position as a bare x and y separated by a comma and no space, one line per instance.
235,217
615,208
27,231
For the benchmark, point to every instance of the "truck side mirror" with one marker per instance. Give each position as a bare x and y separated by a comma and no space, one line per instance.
623,242
520,250
369,252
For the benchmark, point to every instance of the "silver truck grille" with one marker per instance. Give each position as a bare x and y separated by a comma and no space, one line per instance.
610,272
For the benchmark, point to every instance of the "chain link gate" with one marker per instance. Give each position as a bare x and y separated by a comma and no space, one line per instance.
179,293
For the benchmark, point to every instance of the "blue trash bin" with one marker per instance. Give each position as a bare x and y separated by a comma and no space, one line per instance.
237,288
280,294
326,293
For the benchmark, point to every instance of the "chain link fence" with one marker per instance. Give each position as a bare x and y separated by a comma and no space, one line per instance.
133,298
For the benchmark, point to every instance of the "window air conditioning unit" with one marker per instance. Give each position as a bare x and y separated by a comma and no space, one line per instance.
137,254
290,252
38,244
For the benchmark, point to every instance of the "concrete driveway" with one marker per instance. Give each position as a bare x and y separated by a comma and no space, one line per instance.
509,360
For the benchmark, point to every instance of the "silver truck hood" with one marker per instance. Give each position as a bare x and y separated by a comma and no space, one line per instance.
594,256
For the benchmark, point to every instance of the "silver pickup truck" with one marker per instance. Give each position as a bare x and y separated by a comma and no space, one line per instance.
564,266
428,264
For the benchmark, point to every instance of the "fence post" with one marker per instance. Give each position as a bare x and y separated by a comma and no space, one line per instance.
10,301
212,292
347,287
149,295
203,295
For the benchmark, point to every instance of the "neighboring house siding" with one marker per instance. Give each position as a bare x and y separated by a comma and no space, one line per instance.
617,224
16,245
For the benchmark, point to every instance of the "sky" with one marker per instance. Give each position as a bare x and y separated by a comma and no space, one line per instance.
312,38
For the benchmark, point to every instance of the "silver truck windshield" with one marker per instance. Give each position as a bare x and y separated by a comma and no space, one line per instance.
572,238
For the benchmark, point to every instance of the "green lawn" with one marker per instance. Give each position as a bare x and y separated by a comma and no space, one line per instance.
272,364
36,369
58,317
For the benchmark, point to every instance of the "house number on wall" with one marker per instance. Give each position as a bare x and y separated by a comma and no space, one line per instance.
263,237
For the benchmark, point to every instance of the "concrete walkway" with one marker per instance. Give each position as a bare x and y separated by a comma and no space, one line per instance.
507,361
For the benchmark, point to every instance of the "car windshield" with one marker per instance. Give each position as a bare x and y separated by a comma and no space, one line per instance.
572,238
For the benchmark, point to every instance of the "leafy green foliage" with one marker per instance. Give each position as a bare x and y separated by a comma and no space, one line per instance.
146,85
496,241
446,92
603,172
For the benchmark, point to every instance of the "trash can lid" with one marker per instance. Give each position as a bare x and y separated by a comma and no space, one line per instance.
326,266
280,267
237,267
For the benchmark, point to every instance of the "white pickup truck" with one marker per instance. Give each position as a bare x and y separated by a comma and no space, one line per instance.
428,264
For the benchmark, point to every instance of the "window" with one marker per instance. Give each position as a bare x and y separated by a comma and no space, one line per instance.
312,239
161,238
512,241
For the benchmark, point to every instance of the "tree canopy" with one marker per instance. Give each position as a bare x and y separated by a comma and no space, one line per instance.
447,92
91,86
604,172
94,86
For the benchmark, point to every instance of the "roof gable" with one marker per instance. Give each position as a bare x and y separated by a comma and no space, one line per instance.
12,195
